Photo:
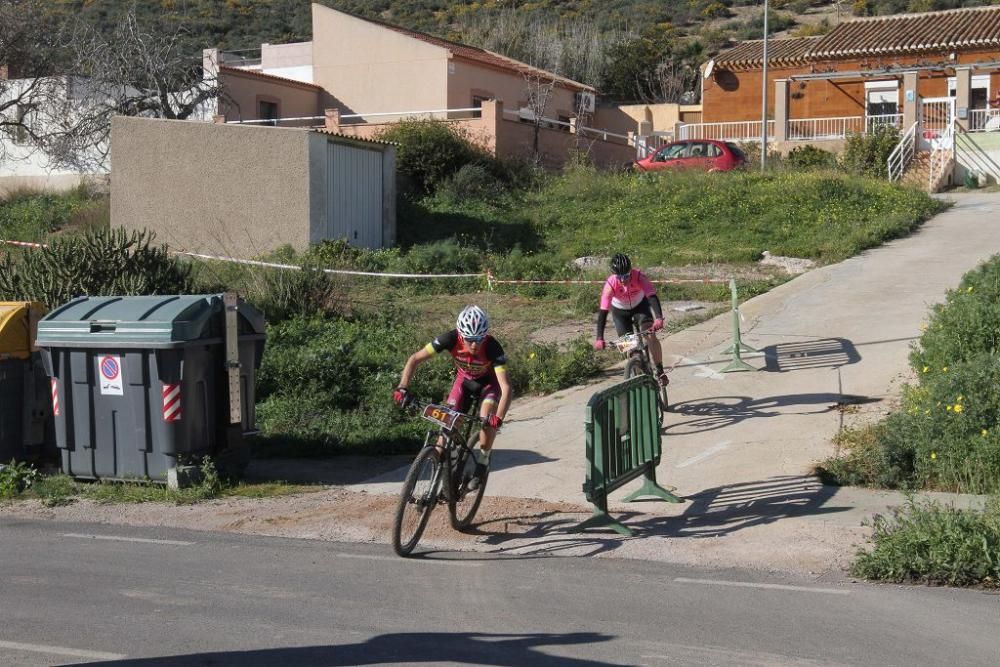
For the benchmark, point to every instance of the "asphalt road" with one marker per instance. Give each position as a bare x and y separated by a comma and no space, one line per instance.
112,595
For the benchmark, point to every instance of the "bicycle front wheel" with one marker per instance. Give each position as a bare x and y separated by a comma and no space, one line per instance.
634,367
417,499
463,503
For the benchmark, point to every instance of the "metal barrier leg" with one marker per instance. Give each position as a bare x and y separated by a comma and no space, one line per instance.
651,488
737,364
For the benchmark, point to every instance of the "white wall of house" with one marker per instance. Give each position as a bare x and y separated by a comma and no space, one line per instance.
369,68
291,61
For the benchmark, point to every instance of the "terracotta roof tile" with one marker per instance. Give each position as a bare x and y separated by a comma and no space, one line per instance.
271,77
780,52
903,34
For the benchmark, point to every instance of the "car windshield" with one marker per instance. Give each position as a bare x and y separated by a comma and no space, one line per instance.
671,152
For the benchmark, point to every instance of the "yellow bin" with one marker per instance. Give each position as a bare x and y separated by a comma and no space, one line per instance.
18,328
27,430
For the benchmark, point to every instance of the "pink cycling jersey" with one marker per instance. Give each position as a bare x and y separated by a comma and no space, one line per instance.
627,295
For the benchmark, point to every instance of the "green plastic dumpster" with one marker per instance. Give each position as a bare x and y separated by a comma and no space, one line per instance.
26,431
144,384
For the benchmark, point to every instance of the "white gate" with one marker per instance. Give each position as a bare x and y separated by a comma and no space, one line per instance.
354,195
936,116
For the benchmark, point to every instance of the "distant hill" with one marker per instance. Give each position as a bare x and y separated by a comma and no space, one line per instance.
684,32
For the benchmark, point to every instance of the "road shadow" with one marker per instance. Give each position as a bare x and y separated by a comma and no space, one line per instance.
348,470
472,648
714,512
724,510
806,355
718,412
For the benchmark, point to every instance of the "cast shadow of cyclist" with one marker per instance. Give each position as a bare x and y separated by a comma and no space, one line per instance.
718,412
714,512
414,647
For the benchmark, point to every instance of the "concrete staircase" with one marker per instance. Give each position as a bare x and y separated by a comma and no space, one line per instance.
918,171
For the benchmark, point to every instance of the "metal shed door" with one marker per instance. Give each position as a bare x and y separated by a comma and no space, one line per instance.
354,195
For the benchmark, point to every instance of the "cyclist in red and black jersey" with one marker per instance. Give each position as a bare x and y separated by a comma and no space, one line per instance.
481,367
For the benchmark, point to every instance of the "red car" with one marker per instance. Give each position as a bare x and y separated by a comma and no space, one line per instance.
704,154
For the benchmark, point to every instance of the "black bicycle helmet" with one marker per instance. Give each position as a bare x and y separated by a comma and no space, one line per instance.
620,264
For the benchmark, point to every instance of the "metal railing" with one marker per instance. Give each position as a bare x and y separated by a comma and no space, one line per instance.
942,158
526,116
902,154
623,443
741,130
818,129
429,114
984,120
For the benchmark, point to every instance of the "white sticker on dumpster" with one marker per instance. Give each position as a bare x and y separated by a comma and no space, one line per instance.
111,375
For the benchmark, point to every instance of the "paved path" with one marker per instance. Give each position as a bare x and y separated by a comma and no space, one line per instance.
741,446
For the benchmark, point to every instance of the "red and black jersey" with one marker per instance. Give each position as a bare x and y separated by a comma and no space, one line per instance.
489,357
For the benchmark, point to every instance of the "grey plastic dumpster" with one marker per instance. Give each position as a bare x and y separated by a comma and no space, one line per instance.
25,411
142,384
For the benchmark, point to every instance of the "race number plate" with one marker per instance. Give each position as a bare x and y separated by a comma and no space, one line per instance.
439,414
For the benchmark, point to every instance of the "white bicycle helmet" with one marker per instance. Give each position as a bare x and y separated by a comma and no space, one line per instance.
472,322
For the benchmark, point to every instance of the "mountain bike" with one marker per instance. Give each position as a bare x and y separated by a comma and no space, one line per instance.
634,347
440,473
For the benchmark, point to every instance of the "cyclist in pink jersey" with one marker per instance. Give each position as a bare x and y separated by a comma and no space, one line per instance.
631,298
480,362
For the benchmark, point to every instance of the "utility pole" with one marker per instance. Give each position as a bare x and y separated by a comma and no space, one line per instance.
763,111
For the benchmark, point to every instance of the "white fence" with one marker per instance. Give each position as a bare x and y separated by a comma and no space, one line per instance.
742,130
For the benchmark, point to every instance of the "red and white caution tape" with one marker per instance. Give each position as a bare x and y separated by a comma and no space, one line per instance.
171,403
55,397
24,244
294,267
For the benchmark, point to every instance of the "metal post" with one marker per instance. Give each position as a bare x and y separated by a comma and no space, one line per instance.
737,364
231,302
763,111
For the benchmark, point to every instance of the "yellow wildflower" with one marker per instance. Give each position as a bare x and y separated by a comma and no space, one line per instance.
944,370
933,455
970,289
985,433
531,356
960,398
926,368
948,408
958,407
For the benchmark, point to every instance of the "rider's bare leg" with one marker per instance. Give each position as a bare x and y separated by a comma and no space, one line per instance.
654,346
488,434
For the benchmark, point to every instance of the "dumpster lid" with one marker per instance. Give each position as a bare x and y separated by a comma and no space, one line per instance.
142,321
18,324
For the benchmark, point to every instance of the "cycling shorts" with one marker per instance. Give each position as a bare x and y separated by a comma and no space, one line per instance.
640,315
466,389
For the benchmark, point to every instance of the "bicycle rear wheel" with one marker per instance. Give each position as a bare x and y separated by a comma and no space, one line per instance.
462,502
416,500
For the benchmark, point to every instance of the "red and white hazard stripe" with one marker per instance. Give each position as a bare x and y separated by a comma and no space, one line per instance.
55,397
171,402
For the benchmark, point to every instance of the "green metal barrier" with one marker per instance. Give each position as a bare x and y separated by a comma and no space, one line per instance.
623,443
737,364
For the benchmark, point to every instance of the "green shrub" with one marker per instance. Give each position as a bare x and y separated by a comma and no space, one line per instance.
428,152
472,181
98,263
945,434
868,154
281,294
930,543
15,478
810,157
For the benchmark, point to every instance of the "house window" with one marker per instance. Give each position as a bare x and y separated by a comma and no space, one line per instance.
27,122
882,100
979,90
267,111
477,103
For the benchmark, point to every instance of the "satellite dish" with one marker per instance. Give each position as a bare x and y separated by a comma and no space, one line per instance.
708,69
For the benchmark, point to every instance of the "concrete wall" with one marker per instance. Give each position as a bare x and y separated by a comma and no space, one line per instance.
978,152
245,90
220,189
508,138
369,68
662,117
292,61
